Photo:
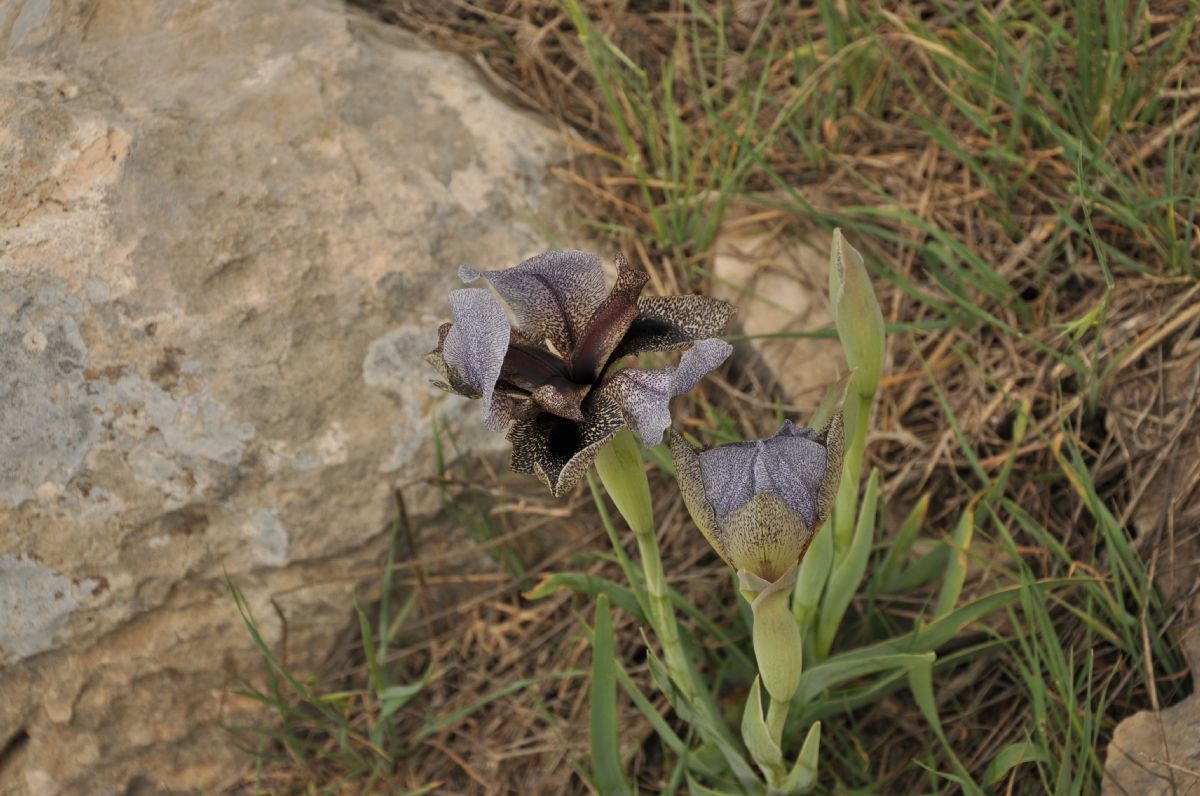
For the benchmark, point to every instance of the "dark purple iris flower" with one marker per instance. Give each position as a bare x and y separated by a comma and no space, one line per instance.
553,381
760,502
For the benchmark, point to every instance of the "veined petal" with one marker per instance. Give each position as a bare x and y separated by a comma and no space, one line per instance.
553,295
559,450
728,473
665,323
645,395
691,485
473,348
791,464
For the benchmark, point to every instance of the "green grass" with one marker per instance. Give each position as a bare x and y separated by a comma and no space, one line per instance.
1071,144
334,738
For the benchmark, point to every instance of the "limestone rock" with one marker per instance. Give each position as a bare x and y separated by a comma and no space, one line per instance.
228,230
779,281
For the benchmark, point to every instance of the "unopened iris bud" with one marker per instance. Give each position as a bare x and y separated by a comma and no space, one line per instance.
857,315
760,502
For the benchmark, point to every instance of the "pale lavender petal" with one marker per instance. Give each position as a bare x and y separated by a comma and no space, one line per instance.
728,473
553,295
475,346
645,395
697,362
791,464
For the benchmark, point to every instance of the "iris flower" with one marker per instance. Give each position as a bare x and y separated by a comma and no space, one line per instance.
760,502
555,381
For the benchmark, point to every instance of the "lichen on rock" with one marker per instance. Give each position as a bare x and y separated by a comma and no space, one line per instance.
227,225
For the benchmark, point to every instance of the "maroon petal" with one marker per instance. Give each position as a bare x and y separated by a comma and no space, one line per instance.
542,375
609,325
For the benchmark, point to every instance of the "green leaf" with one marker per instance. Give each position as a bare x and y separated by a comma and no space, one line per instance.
606,751
956,567
660,725
734,758
440,723
696,789
902,543
1012,756
803,775
917,574
848,572
810,580
837,670
920,683
397,696
757,735
591,586
373,668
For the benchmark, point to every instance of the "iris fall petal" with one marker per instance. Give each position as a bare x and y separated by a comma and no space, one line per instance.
645,395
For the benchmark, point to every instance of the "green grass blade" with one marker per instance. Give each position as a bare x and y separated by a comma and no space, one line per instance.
607,772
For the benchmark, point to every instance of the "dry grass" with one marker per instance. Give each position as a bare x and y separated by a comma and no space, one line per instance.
1032,269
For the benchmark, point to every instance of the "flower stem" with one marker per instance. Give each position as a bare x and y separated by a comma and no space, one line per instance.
619,465
777,713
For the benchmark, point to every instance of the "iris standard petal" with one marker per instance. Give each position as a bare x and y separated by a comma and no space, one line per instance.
553,295
559,451
474,346
792,464
645,395
665,323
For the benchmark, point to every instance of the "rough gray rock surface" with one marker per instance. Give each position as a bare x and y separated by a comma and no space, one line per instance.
227,229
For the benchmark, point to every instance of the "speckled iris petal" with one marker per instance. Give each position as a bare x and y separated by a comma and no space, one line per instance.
765,536
474,346
553,295
558,450
645,395
790,464
665,323
691,486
